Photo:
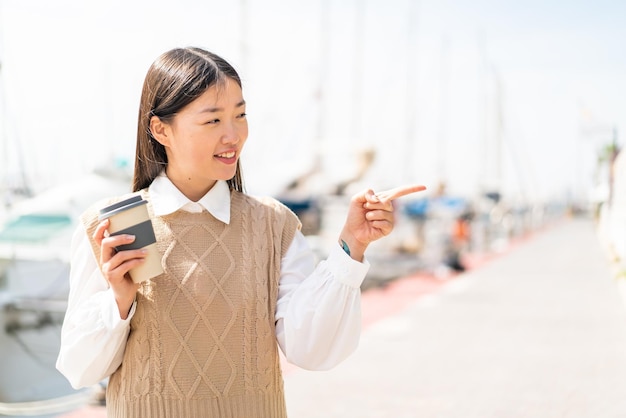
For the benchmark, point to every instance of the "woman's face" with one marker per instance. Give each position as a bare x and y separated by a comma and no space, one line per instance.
205,139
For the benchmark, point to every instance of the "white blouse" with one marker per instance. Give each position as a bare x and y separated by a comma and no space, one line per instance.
318,313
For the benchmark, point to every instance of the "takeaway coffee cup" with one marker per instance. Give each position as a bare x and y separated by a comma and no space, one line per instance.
131,217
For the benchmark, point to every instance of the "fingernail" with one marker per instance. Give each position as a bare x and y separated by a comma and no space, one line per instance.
130,237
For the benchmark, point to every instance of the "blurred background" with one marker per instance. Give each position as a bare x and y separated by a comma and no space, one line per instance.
511,113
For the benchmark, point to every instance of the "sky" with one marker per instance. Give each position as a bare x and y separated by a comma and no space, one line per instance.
482,95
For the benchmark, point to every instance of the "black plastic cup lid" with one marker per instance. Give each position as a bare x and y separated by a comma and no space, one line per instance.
118,207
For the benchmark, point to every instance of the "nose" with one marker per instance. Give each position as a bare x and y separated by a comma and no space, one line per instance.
234,133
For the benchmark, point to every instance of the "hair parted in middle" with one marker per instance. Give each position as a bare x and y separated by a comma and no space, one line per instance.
175,79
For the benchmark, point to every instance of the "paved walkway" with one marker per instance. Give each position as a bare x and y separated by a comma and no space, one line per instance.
537,332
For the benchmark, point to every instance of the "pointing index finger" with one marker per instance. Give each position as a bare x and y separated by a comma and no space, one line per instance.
400,191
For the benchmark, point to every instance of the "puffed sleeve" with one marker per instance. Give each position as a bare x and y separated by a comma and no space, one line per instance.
93,336
318,315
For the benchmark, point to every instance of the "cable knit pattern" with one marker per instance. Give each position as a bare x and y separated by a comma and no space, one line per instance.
202,340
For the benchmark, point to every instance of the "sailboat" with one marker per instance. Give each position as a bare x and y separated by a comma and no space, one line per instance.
35,239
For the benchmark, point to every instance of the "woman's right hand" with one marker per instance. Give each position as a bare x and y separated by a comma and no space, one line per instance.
115,266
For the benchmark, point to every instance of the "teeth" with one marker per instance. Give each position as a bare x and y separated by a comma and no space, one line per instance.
227,155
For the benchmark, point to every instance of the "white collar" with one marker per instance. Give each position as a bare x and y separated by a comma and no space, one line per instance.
166,199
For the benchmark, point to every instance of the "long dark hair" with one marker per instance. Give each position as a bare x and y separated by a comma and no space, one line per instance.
173,81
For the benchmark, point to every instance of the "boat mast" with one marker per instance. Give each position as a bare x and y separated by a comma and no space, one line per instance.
9,188
243,44
321,95
442,143
3,129
322,79
358,68
411,94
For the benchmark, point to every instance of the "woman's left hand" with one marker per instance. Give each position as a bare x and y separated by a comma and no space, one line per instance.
370,217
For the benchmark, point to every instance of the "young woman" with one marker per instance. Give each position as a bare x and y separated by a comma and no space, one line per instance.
200,339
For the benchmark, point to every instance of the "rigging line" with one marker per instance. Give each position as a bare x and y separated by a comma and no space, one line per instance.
506,142
530,178
14,333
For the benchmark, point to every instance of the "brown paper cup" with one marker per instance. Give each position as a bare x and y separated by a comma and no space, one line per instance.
131,217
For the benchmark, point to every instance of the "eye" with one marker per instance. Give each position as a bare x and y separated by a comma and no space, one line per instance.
213,122
242,115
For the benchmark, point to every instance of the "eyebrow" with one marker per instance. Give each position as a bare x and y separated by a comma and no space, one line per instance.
218,109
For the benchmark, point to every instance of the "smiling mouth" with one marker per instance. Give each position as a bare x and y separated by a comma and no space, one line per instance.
230,154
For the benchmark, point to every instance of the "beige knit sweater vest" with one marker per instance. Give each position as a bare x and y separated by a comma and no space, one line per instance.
202,340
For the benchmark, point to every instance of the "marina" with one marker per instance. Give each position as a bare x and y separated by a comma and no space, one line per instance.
36,238
520,150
